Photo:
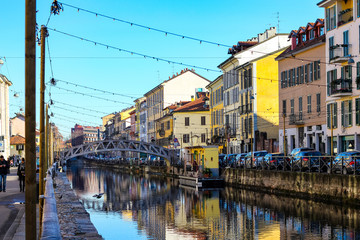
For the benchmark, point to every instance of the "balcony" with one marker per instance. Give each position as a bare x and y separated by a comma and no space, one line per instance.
341,88
345,16
296,119
340,53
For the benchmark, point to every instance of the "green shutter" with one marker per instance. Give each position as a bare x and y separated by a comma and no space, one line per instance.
342,73
350,113
342,114
357,111
328,116
328,83
335,115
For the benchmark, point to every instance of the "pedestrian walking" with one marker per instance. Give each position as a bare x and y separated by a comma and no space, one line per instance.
4,170
21,174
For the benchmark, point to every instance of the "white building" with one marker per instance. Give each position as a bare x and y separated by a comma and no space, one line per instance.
342,20
179,87
4,116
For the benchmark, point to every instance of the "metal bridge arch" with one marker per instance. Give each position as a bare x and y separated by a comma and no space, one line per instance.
116,145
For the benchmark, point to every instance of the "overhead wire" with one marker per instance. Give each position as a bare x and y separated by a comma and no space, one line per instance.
95,89
74,106
69,110
133,52
146,27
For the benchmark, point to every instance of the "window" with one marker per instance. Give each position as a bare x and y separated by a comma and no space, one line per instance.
293,77
168,125
334,115
300,108
309,104
331,48
187,121
186,138
301,74
346,43
311,77
357,111
306,73
346,113
317,70
162,126
330,18
331,76
312,34
303,38
284,108
203,138
297,75
358,8
285,79
318,101
203,120
292,106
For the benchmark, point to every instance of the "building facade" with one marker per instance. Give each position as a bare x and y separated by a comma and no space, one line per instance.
179,87
342,20
216,94
302,91
192,123
250,96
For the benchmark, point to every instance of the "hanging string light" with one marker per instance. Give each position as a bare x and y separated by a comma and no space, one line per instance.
139,25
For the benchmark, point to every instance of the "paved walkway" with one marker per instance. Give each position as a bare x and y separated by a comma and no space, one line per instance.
12,209
11,204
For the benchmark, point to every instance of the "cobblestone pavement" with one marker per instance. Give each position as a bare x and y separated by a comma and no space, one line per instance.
73,219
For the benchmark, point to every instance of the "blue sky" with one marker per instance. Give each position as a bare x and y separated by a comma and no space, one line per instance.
80,62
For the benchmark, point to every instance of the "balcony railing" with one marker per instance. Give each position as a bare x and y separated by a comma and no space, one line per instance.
340,53
341,87
345,16
296,119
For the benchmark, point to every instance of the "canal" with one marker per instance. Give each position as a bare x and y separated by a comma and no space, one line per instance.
152,207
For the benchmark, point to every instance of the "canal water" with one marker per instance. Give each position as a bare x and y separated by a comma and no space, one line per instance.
152,207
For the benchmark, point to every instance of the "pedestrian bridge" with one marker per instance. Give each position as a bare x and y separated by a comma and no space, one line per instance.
116,145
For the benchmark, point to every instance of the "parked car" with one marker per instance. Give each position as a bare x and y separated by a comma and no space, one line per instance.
295,151
230,160
254,160
276,161
309,160
240,159
346,162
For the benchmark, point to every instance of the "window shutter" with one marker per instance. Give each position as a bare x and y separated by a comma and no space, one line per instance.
328,83
328,116
335,115
350,113
342,114
342,73
357,111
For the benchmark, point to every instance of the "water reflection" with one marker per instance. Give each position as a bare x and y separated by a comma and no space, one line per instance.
150,207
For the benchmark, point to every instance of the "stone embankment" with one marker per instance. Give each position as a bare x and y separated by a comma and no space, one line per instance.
73,219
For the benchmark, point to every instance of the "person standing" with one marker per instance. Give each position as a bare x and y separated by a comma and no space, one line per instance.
21,174
4,168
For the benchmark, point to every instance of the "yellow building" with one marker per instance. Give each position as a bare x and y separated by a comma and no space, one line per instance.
251,93
122,121
216,93
192,123
107,118
164,126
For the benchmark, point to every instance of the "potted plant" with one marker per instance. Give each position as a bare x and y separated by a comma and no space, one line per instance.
207,172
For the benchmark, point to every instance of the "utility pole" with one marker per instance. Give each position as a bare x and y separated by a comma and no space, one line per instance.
42,169
30,119
284,137
46,136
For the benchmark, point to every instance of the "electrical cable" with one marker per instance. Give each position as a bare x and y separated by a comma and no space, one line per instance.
134,53
146,27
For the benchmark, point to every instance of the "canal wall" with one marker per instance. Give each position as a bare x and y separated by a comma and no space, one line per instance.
73,219
315,211
334,188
